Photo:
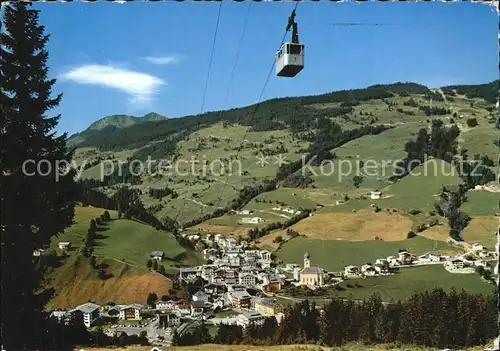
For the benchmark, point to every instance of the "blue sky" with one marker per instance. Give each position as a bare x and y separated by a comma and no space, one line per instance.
139,57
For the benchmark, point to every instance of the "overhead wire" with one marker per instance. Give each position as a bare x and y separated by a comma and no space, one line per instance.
256,107
206,86
231,77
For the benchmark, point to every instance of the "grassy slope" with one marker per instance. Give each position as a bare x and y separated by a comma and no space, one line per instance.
76,282
401,285
334,255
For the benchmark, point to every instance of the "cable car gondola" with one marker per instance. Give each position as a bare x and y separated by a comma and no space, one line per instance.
290,57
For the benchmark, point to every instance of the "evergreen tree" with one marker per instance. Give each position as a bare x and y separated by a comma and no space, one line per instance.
35,205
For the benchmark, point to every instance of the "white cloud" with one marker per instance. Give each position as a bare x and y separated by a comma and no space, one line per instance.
140,87
163,59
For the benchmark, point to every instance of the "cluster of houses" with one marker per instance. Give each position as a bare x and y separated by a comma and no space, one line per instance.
89,313
233,271
287,210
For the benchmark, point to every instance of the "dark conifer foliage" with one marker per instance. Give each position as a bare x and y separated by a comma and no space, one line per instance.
36,207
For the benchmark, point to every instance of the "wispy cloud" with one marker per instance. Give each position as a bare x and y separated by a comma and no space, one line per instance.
140,87
164,59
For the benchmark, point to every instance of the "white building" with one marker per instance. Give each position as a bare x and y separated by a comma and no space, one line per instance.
246,279
37,252
88,312
477,247
64,245
368,269
265,255
252,220
375,195
254,317
200,296
352,271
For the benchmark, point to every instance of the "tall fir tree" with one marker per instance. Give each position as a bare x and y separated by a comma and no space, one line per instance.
35,205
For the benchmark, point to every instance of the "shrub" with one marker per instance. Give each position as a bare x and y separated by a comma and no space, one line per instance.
472,122
411,234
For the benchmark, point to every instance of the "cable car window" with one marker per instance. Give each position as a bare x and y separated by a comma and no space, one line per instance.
287,48
295,49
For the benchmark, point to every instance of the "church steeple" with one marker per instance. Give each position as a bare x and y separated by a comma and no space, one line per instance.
307,261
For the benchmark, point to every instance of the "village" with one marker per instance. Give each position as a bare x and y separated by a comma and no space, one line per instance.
243,285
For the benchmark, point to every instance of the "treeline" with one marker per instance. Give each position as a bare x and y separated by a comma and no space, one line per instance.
126,201
160,193
441,143
449,204
89,242
273,114
430,111
166,149
329,135
434,96
121,173
256,233
431,319
488,92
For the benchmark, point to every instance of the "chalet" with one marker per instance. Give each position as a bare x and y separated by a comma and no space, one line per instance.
368,269
200,296
88,313
375,195
131,312
246,279
183,307
37,252
64,245
157,255
252,220
405,257
235,261
381,262
455,263
197,308
352,271
165,305
188,273
240,299
254,318
393,261
214,289
380,268
270,282
59,315
170,320
480,263
477,247
483,253
265,255
251,253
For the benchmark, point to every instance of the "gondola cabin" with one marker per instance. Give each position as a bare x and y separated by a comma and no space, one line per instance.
289,60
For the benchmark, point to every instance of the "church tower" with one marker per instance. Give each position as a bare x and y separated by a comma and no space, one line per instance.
307,261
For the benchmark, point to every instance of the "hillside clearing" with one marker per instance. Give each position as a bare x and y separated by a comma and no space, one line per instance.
76,282
482,229
359,226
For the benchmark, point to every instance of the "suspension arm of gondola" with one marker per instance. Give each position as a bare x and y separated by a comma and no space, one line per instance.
292,24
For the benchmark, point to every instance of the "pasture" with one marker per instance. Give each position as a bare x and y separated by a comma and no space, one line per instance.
334,255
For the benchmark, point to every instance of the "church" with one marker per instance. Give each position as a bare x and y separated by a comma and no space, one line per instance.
312,277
